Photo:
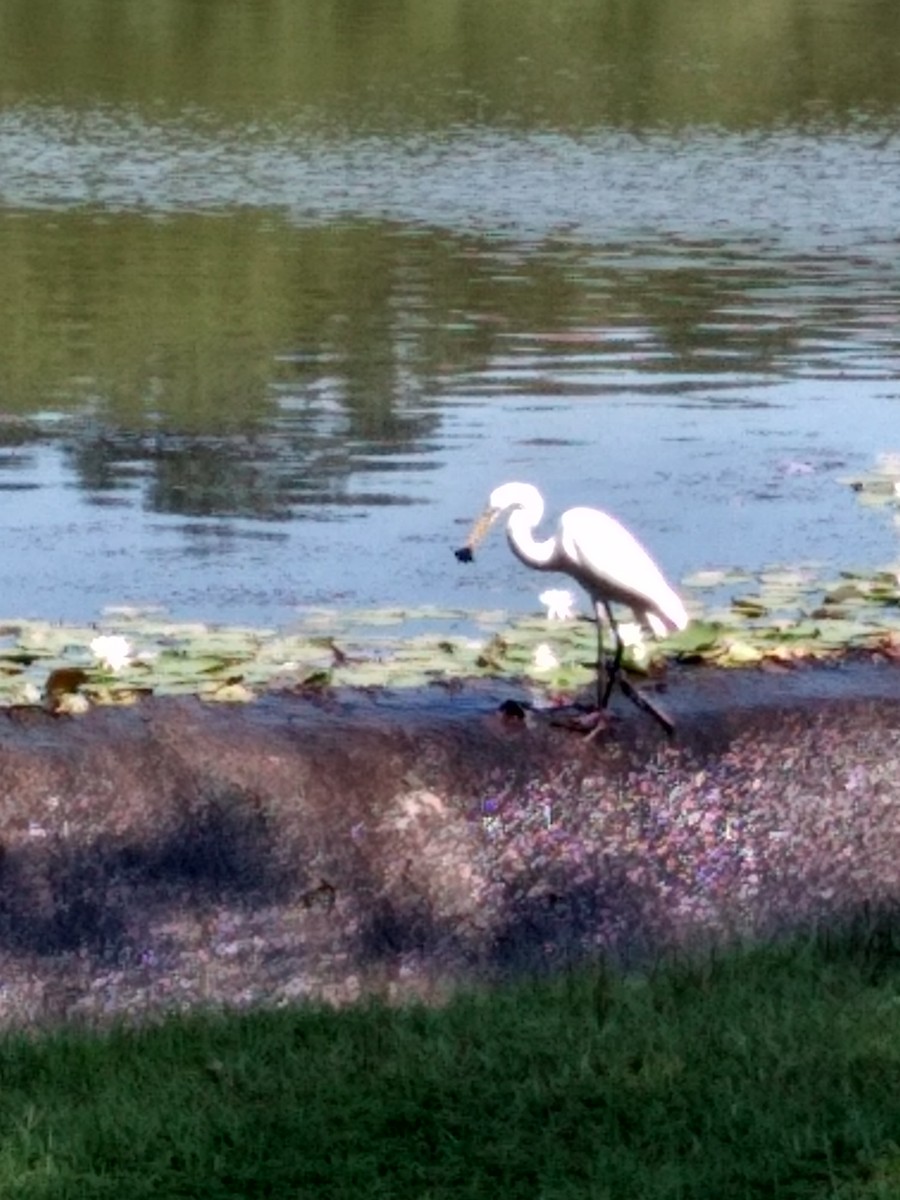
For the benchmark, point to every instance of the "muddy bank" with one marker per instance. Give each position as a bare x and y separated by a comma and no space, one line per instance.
175,853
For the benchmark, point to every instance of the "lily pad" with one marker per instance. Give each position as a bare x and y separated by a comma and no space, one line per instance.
749,606
699,636
740,653
714,577
851,590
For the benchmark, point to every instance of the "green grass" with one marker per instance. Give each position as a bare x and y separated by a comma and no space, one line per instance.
765,1073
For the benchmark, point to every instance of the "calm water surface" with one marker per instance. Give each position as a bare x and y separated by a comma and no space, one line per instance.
286,293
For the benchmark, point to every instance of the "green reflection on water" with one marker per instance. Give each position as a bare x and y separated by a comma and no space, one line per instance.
200,325
246,322
244,364
383,63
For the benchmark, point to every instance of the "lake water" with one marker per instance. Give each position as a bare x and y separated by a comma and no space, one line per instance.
288,289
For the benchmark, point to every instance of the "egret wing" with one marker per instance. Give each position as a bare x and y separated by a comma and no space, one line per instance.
611,563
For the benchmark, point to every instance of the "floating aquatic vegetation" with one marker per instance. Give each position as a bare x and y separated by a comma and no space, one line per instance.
560,604
545,659
783,615
714,577
879,487
112,651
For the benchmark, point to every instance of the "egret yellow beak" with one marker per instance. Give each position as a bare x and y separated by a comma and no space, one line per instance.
476,534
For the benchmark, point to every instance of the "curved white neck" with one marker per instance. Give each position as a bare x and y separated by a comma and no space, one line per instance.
534,553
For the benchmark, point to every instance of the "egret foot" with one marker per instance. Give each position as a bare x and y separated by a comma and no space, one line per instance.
599,721
589,721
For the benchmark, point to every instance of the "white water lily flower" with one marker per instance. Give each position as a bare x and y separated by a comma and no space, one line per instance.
560,604
632,636
544,658
112,651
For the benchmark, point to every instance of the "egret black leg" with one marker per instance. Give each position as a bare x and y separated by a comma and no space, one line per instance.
606,673
612,671
601,661
608,677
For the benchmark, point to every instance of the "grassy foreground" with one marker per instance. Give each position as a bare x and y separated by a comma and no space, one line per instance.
767,1073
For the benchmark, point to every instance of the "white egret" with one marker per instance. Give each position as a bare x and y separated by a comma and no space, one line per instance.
596,550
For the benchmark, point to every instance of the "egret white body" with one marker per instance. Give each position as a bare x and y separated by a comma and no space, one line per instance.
596,550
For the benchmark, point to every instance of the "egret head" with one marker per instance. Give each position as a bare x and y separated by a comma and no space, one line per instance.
502,499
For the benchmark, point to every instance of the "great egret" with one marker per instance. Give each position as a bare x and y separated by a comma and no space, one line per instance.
591,546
